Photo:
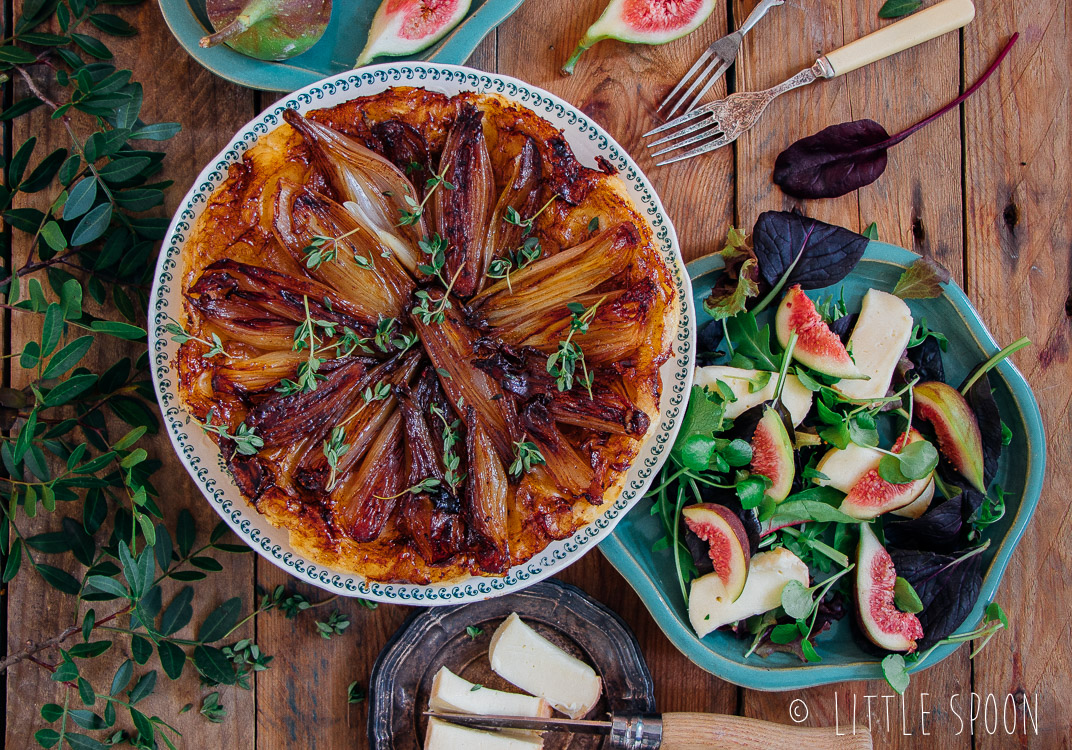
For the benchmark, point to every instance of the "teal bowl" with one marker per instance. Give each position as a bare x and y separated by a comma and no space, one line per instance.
1021,472
334,53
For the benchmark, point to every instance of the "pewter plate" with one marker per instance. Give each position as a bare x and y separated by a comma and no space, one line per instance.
432,638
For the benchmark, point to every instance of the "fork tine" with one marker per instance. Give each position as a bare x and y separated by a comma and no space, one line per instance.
676,122
698,138
707,86
715,63
684,131
712,146
696,66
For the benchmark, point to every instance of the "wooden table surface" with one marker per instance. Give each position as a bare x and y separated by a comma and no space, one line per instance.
985,191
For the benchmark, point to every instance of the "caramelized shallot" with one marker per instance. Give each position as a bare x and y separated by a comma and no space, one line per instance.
358,264
363,503
375,189
487,494
549,284
462,211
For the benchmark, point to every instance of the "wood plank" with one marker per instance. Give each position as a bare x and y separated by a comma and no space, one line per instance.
1019,275
895,92
619,86
176,89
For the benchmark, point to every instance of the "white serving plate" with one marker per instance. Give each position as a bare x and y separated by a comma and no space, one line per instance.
201,456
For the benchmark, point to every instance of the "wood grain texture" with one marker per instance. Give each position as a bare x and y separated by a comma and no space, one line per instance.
210,110
895,92
1019,274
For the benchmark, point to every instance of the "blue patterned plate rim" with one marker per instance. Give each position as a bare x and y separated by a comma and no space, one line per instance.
201,457
757,675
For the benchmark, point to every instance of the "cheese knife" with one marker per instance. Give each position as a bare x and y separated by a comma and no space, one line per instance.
679,731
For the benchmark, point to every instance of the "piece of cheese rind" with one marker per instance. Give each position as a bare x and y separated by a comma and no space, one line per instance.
443,735
454,694
795,396
878,339
524,658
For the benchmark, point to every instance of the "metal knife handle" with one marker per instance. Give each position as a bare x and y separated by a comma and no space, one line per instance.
688,731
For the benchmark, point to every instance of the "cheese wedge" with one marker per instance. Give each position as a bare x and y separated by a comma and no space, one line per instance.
879,338
526,659
442,735
455,694
768,572
795,396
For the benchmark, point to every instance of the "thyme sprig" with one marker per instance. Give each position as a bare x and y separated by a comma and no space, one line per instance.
323,249
562,365
246,441
334,449
429,310
180,336
413,216
451,460
511,216
515,260
526,456
425,485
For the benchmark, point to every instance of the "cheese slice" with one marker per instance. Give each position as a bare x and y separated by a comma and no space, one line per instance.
879,338
795,396
443,735
526,659
455,694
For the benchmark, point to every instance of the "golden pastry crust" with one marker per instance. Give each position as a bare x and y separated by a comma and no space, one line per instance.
240,225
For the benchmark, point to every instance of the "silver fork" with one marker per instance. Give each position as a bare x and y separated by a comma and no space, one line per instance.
720,123
718,57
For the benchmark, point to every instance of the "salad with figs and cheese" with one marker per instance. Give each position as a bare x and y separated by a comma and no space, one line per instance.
825,466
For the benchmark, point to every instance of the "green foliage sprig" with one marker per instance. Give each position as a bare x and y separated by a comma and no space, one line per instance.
81,227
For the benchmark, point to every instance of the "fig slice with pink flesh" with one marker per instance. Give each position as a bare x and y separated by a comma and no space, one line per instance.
954,423
772,449
817,346
885,625
643,22
267,29
405,27
871,495
725,534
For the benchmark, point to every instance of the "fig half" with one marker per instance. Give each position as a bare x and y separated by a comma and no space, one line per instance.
267,29
727,540
954,423
643,22
817,346
404,27
885,625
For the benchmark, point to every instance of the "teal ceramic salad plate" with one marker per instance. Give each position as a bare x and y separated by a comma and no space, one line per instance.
1021,470
334,53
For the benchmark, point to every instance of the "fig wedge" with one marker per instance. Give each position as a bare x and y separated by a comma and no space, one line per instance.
403,27
959,439
871,495
817,346
885,625
643,22
727,540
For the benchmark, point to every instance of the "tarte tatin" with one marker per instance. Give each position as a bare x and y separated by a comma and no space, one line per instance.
425,338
